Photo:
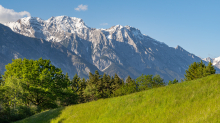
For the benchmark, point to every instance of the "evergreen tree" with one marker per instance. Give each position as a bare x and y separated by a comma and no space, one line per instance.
127,88
94,78
75,83
106,82
131,86
90,92
198,70
116,83
69,95
93,86
82,87
129,81
111,85
191,73
100,88
209,69
173,82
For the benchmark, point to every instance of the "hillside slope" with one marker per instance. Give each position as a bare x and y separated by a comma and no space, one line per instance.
193,101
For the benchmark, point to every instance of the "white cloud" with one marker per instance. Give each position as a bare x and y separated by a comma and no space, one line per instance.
7,15
104,24
81,7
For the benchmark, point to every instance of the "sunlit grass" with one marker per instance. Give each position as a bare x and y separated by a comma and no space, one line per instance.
193,101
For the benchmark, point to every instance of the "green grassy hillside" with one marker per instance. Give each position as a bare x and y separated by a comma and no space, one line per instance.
193,101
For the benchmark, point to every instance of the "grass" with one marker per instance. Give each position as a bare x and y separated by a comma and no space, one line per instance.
195,101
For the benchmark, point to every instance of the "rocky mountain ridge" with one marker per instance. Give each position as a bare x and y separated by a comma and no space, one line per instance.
14,45
120,49
215,61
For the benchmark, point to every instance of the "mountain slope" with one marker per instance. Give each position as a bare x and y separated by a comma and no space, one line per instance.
120,49
215,61
13,45
187,102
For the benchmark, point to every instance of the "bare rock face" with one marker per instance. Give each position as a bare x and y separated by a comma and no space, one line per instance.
120,49
14,45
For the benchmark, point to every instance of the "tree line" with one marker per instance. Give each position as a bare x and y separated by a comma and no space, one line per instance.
31,86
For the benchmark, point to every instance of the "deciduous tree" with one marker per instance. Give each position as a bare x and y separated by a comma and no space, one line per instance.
41,82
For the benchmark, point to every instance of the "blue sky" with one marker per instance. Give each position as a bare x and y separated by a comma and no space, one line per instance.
192,24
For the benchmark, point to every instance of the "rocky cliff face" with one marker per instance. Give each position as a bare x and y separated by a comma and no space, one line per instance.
13,46
120,49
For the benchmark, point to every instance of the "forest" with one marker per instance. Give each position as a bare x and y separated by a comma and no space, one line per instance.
31,86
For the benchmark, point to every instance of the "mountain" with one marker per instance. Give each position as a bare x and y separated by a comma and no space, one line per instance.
120,49
14,45
215,61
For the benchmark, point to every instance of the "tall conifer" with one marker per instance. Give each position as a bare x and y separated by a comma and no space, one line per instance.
198,70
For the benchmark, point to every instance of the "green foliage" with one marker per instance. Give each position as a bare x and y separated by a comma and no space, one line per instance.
4,103
82,87
107,85
4,120
1,81
173,82
75,83
116,83
148,81
99,86
92,88
68,97
127,88
90,92
209,69
39,81
29,84
12,106
189,102
199,70
144,82
157,81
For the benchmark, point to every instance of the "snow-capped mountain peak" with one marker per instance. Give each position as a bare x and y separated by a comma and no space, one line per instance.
67,21
50,29
215,61
208,59
120,49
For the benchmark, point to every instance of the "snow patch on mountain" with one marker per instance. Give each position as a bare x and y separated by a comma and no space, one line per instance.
48,29
113,50
215,61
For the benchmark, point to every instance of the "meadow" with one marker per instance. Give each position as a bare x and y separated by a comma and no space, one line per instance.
186,102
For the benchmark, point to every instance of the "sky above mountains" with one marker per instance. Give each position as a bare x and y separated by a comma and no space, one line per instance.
194,25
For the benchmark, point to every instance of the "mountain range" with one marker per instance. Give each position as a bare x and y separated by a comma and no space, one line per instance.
215,61
77,48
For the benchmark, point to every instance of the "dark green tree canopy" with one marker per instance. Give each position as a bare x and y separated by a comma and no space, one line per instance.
38,83
173,82
198,70
149,81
